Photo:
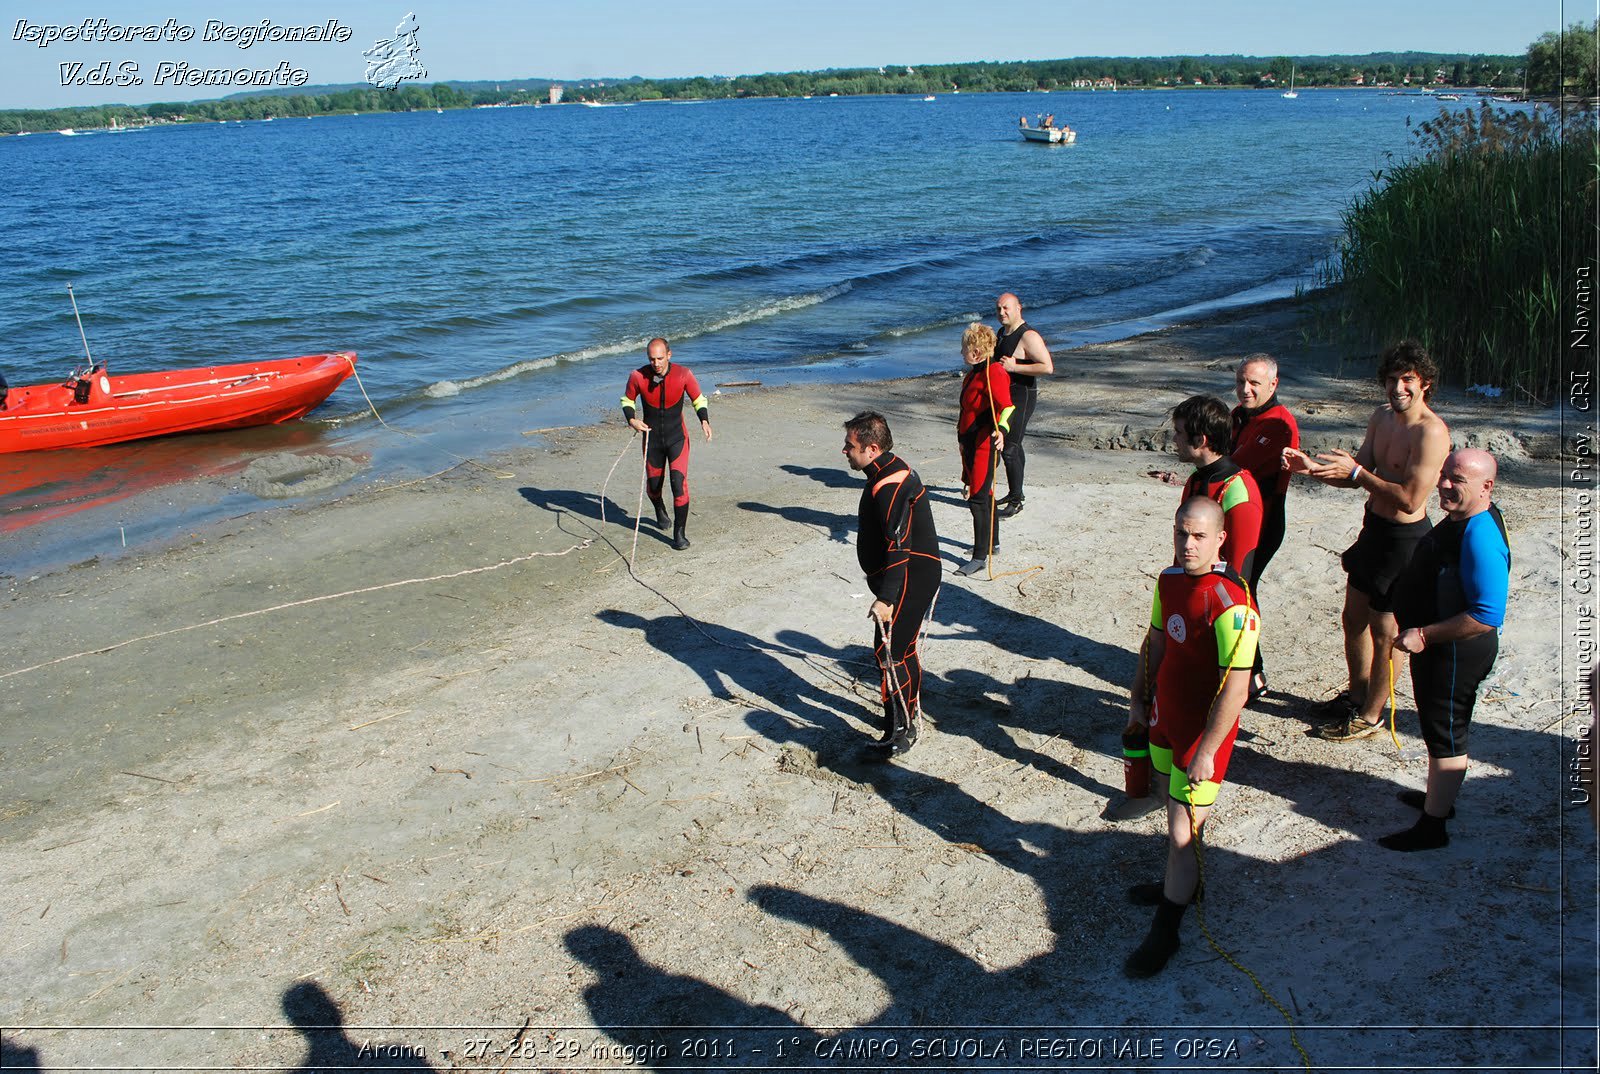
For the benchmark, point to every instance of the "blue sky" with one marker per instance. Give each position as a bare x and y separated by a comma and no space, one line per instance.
470,39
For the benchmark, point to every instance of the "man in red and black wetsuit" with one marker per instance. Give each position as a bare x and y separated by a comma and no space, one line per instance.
981,429
1189,686
1201,434
661,387
1262,428
898,550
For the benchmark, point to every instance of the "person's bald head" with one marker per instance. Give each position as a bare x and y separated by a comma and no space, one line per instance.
1197,535
1478,462
1009,307
1466,483
660,355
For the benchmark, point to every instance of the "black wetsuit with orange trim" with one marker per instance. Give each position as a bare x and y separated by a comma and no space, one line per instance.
667,446
898,550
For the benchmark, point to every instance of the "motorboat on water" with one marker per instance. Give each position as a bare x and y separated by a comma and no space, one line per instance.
94,407
1052,135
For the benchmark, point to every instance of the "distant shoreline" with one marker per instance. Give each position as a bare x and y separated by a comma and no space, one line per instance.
147,122
1454,72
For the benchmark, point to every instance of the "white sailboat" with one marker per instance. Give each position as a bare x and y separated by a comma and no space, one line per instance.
1290,94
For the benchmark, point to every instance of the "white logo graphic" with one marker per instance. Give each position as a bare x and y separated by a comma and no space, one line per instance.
1175,628
394,61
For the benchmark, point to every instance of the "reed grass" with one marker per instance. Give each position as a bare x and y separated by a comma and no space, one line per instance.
1475,248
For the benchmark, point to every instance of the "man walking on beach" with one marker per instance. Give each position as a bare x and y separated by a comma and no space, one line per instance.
898,550
1262,428
1450,605
661,387
1398,462
1023,355
1188,689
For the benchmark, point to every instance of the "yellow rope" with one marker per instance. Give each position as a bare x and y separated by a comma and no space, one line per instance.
1394,737
1200,916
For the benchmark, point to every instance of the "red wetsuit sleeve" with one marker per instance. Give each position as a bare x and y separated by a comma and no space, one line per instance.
691,391
1242,513
1260,449
630,394
1000,392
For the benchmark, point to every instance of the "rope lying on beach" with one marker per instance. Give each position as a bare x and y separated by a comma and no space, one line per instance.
585,543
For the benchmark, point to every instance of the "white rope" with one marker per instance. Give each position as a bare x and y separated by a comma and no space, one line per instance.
585,543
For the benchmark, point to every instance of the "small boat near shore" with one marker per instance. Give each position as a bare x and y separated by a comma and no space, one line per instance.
94,407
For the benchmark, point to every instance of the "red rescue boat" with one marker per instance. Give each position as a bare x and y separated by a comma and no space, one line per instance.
95,407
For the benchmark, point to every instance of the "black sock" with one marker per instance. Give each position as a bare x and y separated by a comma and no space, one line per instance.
1426,834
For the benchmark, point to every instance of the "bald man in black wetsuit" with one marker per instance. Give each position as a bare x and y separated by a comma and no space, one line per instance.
1021,351
898,549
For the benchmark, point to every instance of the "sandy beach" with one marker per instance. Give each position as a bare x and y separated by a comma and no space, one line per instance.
430,760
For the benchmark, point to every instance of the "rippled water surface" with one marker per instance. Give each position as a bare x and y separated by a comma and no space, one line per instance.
470,256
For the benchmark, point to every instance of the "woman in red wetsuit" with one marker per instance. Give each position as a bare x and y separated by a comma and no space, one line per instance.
980,429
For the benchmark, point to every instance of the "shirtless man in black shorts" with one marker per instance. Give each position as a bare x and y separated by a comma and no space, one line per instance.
1397,465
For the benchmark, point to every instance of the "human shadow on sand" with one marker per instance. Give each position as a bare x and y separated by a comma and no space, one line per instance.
929,981
970,704
741,667
19,1057
1089,926
588,506
318,1019
828,476
837,527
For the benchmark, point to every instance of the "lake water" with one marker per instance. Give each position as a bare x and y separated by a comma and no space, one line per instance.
501,269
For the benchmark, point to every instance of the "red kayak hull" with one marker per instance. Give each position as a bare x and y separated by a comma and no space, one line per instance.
48,417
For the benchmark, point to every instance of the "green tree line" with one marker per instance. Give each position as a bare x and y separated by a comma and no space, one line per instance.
1394,68
369,99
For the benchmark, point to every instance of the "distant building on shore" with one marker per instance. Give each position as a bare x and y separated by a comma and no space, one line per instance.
555,93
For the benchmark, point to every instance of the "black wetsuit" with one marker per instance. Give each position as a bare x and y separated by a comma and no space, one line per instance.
1459,566
1024,394
898,550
